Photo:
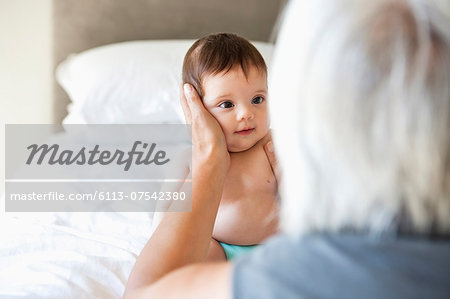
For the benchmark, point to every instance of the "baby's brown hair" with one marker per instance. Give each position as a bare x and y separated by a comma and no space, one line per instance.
219,52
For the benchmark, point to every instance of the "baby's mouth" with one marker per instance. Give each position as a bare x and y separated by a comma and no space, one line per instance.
245,131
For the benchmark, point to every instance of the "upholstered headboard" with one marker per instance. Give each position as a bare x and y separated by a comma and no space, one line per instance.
82,24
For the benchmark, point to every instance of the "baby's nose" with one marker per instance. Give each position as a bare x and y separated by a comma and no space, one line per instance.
245,113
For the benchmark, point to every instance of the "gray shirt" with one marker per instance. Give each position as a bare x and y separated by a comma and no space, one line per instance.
344,266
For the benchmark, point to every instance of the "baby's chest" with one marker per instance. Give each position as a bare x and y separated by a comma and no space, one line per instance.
250,174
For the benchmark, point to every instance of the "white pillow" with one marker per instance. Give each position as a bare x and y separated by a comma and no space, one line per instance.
130,82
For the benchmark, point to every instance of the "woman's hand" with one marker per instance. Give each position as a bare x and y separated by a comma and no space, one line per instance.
270,153
207,135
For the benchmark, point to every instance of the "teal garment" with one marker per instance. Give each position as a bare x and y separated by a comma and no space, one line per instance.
233,251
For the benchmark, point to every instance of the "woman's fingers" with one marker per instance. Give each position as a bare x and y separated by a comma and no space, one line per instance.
270,153
192,104
193,101
206,131
198,115
184,105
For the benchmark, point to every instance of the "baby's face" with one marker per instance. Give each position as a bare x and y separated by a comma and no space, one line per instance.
239,105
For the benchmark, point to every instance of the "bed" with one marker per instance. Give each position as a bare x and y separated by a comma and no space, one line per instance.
115,62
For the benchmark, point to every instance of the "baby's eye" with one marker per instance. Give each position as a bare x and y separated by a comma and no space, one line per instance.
226,105
257,100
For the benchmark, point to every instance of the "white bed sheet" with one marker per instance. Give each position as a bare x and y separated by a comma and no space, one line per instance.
69,255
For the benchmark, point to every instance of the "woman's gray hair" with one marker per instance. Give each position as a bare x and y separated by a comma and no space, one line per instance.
361,116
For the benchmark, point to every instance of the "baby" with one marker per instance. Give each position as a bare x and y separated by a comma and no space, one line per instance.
230,76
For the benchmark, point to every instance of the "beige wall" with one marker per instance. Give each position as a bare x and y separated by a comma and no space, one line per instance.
25,66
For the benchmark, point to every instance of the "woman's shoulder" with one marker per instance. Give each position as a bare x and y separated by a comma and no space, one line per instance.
327,266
